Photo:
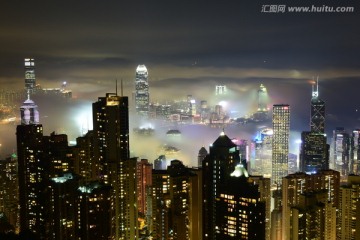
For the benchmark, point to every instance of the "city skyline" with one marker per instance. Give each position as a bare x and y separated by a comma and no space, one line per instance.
187,51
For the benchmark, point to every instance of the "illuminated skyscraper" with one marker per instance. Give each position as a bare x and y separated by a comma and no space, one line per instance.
32,171
30,81
217,168
111,127
341,151
314,152
349,209
280,142
262,99
317,119
220,90
295,188
141,90
355,152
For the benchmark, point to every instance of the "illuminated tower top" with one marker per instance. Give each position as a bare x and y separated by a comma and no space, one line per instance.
262,99
29,112
141,90
317,118
30,81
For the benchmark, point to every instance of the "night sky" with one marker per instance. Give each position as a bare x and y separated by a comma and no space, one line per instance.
188,48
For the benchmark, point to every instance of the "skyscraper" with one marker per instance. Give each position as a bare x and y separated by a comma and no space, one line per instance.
217,166
317,119
30,81
262,99
280,144
141,90
111,127
314,152
341,151
32,170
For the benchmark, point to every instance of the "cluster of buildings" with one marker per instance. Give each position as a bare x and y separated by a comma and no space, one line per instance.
95,190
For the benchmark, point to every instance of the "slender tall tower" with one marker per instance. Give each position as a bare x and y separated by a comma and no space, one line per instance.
111,127
317,119
262,99
141,90
30,81
280,146
31,168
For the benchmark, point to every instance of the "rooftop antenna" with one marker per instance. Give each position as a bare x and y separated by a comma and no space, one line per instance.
317,84
116,87
122,88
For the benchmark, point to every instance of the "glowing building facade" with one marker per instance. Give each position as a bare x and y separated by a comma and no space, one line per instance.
280,142
30,80
141,90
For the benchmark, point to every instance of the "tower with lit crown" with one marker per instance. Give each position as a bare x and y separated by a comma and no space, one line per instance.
141,90
32,171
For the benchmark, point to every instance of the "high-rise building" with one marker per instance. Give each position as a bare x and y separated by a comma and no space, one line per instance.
176,203
355,152
143,176
202,154
111,127
141,90
280,142
295,185
228,212
94,214
317,119
261,163
262,99
340,151
349,209
314,152
30,81
86,165
313,218
32,171
220,90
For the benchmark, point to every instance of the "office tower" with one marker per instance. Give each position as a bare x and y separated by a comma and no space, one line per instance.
349,210
32,171
280,142
202,154
262,99
141,90
317,119
341,151
30,81
217,167
86,165
94,217
314,152
111,128
63,206
355,152
176,202
295,185
262,162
